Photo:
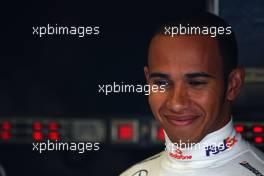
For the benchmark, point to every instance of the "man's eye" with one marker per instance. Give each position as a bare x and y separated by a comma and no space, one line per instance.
197,83
160,82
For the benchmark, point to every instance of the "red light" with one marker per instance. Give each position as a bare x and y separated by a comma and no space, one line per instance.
37,135
6,125
54,136
53,126
239,128
125,132
258,129
160,134
37,126
5,135
258,139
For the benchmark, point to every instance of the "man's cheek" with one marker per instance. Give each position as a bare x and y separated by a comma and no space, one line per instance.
152,103
157,99
207,96
155,102
208,103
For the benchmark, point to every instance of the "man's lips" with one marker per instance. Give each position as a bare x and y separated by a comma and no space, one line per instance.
182,120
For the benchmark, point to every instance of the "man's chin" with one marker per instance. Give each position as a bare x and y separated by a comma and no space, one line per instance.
185,140
182,136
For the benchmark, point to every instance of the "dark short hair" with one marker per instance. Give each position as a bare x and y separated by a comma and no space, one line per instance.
227,43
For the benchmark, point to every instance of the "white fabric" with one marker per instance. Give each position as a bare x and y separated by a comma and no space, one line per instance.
233,157
2,172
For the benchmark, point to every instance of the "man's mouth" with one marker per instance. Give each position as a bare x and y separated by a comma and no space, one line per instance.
182,120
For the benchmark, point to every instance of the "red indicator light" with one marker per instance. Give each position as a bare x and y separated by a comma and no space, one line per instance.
37,135
258,129
6,125
160,134
53,126
54,136
5,135
239,128
258,139
125,132
37,126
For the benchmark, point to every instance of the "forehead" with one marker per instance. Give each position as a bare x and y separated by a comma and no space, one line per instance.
184,54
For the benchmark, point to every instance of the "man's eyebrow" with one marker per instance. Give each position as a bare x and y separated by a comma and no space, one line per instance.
157,74
198,74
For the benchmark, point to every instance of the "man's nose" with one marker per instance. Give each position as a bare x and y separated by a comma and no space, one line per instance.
178,99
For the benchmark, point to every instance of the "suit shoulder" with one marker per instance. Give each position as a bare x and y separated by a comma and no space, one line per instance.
250,160
259,155
143,167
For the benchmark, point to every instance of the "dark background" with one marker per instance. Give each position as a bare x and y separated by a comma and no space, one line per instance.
59,76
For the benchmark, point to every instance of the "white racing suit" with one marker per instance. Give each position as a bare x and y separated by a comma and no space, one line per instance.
220,153
2,172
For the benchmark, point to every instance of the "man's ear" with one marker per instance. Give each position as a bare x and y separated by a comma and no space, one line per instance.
146,72
235,83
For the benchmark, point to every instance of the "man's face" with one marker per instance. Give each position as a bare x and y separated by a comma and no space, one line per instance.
191,70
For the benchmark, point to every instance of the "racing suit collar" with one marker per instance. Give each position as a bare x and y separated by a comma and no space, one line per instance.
214,146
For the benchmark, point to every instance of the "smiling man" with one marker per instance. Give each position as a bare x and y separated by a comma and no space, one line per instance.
201,80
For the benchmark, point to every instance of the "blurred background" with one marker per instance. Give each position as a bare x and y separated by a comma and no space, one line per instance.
49,85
